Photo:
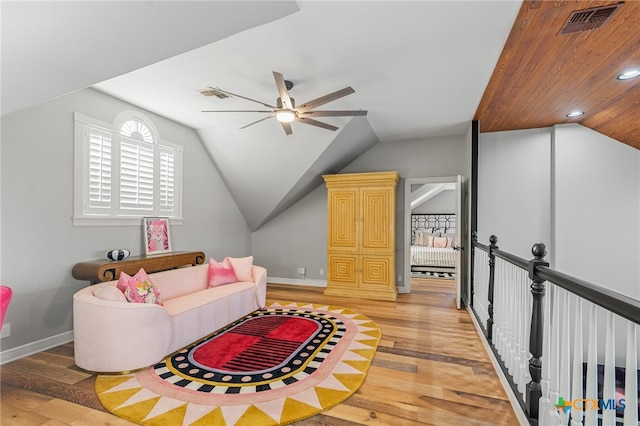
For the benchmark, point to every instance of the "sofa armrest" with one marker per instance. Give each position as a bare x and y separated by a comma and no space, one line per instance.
260,278
118,336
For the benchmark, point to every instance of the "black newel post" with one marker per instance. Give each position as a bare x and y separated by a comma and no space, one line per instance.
534,390
493,240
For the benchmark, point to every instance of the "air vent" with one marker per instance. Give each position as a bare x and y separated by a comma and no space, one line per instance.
212,91
589,19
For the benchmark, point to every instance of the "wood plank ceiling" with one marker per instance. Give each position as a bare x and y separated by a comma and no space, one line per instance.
543,75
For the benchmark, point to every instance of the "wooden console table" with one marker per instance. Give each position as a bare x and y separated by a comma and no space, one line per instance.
108,270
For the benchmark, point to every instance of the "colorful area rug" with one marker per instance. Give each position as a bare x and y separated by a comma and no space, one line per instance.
274,366
434,275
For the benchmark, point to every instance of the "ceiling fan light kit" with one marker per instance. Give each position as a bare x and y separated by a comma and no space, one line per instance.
285,116
286,112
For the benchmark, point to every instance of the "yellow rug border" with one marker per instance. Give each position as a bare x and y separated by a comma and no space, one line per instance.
120,395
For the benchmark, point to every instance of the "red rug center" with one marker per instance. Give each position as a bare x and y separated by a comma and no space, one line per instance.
257,344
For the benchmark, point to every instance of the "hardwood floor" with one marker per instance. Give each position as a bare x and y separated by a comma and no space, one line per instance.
430,369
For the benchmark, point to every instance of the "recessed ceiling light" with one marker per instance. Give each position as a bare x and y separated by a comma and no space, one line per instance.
629,74
575,114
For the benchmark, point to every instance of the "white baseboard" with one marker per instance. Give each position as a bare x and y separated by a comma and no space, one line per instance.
35,347
295,281
310,283
520,414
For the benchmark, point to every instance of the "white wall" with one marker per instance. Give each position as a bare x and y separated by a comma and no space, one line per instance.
40,245
514,189
444,202
570,187
295,238
597,208
298,236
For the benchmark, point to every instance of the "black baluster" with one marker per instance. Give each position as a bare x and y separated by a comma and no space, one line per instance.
534,390
492,267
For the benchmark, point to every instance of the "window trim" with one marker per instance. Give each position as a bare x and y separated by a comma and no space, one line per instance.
81,188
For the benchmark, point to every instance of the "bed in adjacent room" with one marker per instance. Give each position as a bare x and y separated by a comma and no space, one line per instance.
433,242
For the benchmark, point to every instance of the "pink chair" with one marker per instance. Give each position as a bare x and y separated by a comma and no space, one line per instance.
5,298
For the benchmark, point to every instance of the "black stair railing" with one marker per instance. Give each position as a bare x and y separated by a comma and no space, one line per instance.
540,273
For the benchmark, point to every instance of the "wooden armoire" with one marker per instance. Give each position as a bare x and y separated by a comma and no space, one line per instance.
361,243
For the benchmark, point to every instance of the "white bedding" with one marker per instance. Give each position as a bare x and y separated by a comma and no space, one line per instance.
433,256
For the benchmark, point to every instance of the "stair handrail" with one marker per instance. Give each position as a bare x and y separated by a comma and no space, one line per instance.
613,301
539,273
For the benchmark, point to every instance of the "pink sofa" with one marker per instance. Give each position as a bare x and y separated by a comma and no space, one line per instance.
5,298
119,336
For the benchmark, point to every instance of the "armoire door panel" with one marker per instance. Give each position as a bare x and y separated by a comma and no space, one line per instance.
377,272
343,207
377,217
342,270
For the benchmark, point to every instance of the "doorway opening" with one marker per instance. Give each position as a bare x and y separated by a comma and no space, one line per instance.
434,229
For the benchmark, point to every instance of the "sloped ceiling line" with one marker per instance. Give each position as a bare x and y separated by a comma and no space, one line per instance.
50,49
427,192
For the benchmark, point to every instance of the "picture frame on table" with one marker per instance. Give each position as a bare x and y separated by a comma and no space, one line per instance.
156,234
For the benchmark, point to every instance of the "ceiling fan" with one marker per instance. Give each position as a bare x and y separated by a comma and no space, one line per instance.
285,110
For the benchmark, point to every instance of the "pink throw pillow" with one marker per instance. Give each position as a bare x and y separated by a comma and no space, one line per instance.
139,288
242,267
440,242
430,241
221,273
107,292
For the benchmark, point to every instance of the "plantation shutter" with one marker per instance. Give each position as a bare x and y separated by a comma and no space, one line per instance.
123,173
136,176
100,170
167,202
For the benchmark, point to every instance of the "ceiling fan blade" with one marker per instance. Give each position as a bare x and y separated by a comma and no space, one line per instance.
282,90
287,128
315,123
331,113
234,110
256,122
249,99
325,99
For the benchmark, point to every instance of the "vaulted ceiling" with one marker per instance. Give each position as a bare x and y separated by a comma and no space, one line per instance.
420,69
543,74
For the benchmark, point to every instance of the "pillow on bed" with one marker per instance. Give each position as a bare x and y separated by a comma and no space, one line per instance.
429,240
437,231
423,238
417,238
442,242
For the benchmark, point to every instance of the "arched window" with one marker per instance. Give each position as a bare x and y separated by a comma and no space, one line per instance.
124,171
136,129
